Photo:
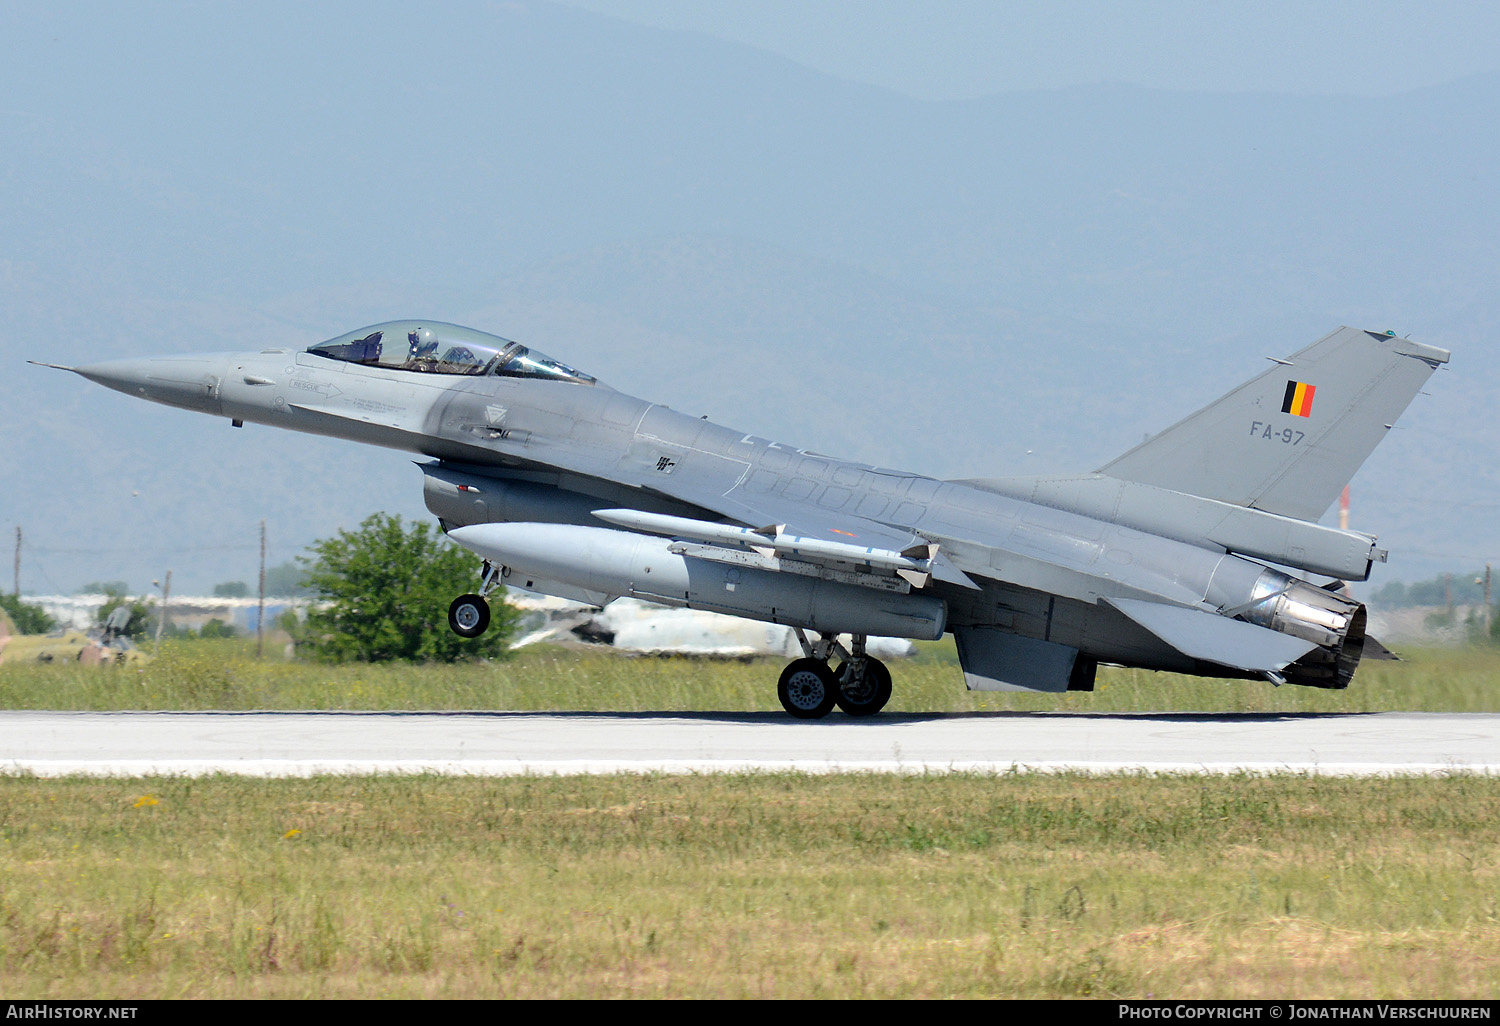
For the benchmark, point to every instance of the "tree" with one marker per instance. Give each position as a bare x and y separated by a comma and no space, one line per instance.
28,618
1464,590
104,588
287,580
231,589
384,591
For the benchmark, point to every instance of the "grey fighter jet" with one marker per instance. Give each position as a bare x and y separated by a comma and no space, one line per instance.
1175,556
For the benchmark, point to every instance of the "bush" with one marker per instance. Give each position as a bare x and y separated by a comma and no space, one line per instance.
28,619
385,590
213,629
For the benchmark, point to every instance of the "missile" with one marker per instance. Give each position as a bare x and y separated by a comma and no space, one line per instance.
602,560
686,527
913,563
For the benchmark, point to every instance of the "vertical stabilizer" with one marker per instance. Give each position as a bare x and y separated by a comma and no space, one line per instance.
1289,440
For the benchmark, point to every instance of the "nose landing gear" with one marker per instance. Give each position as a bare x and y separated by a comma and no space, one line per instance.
809,688
469,615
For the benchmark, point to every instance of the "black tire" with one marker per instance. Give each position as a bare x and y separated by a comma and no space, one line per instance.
469,616
807,689
866,697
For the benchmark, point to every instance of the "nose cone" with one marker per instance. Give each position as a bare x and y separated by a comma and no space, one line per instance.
191,382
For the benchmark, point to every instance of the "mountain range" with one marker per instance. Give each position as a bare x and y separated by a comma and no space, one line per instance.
1018,284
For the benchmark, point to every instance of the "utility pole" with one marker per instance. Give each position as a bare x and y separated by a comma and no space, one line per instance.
1488,609
260,616
18,561
166,594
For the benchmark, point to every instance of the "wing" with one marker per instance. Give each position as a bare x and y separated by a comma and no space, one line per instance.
843,533
714,481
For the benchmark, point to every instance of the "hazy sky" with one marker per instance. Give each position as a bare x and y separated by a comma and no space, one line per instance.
629,188
959,49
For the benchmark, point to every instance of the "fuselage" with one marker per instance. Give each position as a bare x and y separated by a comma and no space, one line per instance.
557,446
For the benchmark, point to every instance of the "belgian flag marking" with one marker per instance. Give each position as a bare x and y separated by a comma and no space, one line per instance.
1299,397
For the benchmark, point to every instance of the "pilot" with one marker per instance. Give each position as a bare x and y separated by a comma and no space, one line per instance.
419,354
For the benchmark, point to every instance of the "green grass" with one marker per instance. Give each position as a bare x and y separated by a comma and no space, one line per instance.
751,886
224,675
741,886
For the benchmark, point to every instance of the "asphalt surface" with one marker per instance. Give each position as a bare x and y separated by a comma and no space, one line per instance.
303,743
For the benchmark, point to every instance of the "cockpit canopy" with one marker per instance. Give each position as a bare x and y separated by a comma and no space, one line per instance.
432,347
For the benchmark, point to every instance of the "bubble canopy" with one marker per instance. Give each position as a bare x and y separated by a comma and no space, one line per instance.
432,347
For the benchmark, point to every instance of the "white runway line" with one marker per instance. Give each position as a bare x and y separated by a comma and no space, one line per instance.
578,767
269,744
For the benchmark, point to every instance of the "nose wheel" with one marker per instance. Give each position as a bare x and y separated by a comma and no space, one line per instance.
469,615
809,688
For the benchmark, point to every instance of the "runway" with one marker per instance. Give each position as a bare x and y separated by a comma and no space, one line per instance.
508,743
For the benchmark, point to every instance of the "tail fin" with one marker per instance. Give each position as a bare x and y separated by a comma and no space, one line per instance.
1289,440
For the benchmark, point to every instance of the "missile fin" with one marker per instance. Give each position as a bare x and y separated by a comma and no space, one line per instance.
916,578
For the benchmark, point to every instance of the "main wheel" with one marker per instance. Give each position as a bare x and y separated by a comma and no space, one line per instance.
469,616
867,695
807,689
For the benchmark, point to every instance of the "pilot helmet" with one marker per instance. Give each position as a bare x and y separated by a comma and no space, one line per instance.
421,342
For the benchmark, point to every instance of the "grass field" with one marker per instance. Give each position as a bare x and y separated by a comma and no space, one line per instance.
223,675
751,886
742,886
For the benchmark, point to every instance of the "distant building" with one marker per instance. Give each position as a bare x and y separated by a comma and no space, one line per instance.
189,611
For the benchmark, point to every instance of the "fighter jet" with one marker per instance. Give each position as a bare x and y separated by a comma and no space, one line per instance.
1195,552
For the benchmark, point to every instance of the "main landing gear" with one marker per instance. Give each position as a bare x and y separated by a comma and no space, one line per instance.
809,688
469,615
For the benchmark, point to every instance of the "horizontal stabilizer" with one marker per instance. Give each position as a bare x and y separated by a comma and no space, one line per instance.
1216,639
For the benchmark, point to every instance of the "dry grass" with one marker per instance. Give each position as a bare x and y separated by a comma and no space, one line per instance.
751,886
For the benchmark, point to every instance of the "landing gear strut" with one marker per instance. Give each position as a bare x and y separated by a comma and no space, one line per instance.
809,689
469,615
